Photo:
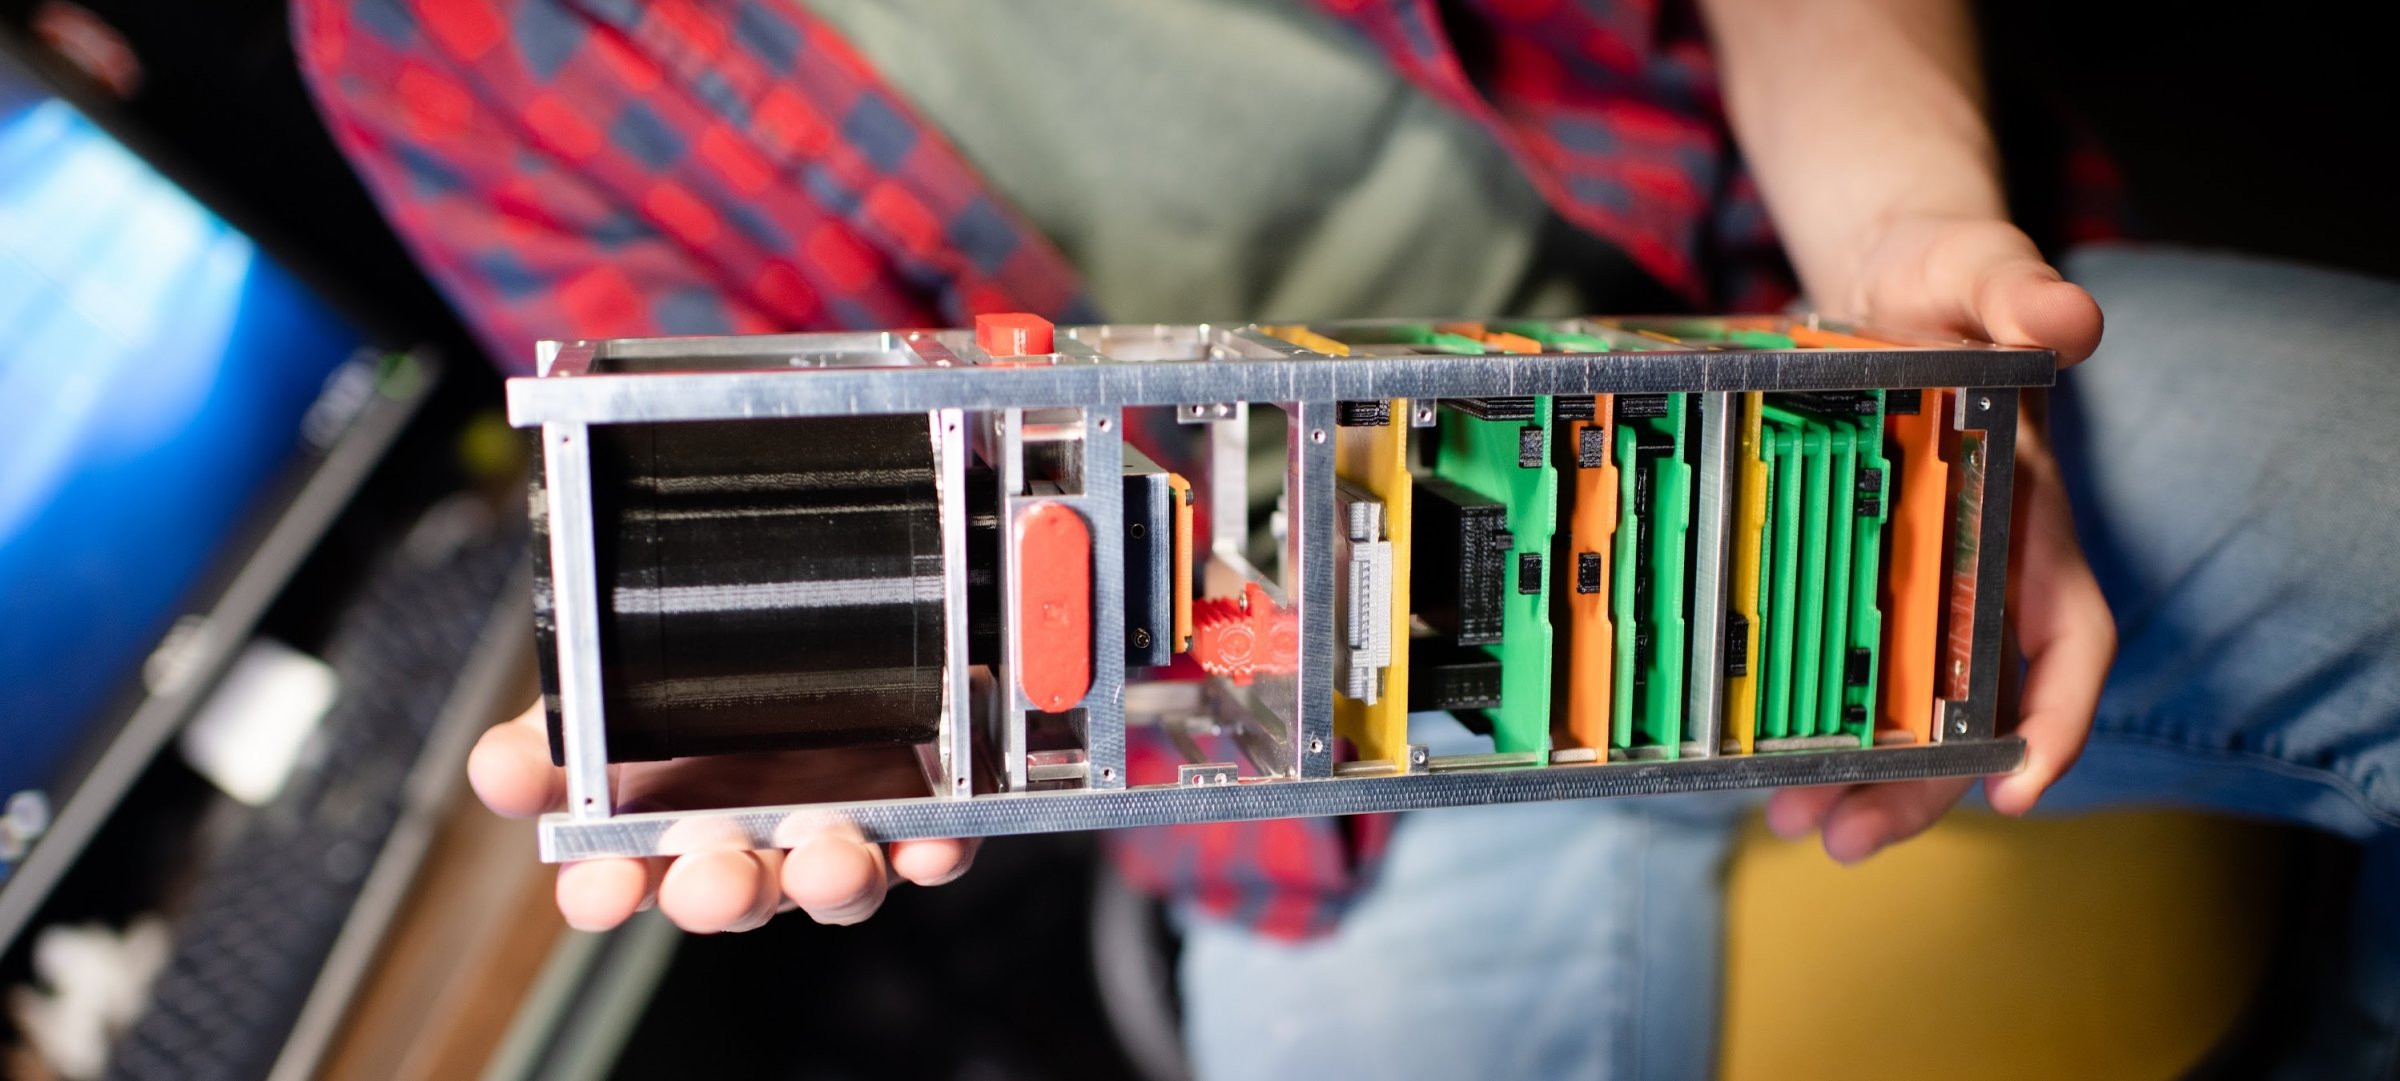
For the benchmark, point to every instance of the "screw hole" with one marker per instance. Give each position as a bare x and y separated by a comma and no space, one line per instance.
1316,435
1316,746
1108,773
1106,424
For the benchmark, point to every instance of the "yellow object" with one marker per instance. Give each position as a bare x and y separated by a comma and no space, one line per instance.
1309,340
1749,537
2118,946
1376,460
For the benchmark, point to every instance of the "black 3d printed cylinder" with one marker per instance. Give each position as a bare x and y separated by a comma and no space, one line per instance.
765,585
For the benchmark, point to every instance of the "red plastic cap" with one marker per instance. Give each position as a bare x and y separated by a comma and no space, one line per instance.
1013,334
1054,606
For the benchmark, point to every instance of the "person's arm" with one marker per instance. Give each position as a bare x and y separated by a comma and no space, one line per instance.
1864,122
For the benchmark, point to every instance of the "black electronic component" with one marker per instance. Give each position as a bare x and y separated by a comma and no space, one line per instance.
1591,447
1529,572
1149,562
1529,447
1588,566
1641,406
1363,413
1458,578
1737,644
1511,408
1441,677
1903,403
1830,403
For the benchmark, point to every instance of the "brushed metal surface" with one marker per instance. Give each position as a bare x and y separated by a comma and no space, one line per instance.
672,833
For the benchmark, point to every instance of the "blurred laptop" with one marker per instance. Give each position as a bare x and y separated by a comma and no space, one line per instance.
180,417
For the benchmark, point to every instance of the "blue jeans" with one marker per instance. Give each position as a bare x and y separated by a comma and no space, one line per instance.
2232,457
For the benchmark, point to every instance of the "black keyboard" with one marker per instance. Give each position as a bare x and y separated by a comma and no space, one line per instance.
267,910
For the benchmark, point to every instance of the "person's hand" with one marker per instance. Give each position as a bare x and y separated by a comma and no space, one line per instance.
834,875
1983,279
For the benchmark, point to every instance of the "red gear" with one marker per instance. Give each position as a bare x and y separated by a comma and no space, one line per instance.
1239,638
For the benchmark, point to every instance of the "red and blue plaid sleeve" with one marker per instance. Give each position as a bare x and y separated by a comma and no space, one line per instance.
615,169
1612,110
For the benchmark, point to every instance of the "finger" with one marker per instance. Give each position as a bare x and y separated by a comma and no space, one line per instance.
932,863
722,890
510,768
1794,813
1870,818
2063,679
2024,302
2069,639
596,895
1985,279
769,899
836,876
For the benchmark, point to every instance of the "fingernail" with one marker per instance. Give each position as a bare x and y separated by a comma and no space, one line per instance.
957,872
843,916
854,909
849,910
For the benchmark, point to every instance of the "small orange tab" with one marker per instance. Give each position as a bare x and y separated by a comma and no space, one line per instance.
1180,491
1054,606
1014,334
1512,343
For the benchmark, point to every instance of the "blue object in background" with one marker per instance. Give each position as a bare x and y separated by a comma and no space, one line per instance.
154,371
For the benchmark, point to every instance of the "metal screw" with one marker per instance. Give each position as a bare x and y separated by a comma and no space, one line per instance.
1141,638
1316,435
1958,727
1983,403
1424,414
1316,746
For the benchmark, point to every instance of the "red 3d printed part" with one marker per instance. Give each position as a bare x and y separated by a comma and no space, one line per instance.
1054,606
1243,637
1013,334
